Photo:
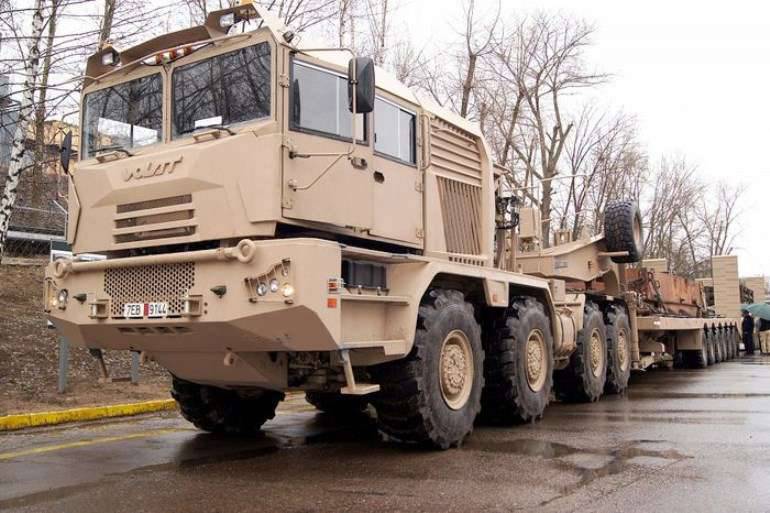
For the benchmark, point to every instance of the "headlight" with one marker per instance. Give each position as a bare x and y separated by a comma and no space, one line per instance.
61,299
287,290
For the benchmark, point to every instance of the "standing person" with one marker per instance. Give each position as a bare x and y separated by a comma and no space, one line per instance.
764,336
748,332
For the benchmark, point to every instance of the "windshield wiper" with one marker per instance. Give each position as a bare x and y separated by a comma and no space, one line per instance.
221,128
114,147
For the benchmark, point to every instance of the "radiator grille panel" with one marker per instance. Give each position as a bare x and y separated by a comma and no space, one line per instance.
151,283
460,209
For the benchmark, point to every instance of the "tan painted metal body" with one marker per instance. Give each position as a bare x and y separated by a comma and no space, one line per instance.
201,222
170,217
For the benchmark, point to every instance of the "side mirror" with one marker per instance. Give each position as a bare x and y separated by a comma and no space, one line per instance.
66,152
363,81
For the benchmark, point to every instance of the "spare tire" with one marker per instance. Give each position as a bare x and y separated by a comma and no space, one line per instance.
623,230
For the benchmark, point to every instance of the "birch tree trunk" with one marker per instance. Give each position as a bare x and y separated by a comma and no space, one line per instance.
26,111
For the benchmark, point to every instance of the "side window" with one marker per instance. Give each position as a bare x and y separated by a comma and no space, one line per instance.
394,131
320,103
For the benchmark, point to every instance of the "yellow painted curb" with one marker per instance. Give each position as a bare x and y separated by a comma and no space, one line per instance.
50,418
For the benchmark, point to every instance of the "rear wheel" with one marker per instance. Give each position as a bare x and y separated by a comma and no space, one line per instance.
584,378
618,353
711,345
518,368
337,404
434,394
219,410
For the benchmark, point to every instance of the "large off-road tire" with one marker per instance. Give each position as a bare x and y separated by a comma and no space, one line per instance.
584,378
723,340
618,351
337,404
518,365
711,344
700,358
433,396
623,230
719,355
219,410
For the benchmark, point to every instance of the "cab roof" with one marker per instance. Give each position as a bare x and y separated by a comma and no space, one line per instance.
212,29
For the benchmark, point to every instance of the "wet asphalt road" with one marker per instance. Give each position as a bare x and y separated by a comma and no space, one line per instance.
685,440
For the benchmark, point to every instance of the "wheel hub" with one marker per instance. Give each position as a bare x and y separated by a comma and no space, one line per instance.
536,366
456,369
597,353
622,350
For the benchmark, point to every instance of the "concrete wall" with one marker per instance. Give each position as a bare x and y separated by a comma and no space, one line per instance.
757,285
727,294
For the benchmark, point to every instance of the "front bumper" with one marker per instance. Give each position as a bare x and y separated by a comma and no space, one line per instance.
215,311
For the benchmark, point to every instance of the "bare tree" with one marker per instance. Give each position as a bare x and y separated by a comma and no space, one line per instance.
719,214
105,28
554,69
605,162
26,109
478,43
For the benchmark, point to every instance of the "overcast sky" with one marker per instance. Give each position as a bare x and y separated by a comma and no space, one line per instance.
696,74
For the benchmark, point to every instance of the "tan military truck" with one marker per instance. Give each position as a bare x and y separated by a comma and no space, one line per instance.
275,218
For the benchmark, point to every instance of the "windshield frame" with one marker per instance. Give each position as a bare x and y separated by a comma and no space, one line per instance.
116,80
208,52
166,71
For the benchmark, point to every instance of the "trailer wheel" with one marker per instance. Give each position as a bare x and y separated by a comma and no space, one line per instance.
712,345
618,352
719,354
584,378
336,403
433,395
700,357
623,230
518,368
219,410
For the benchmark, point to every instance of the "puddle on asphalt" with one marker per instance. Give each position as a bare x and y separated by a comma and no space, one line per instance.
587,464
690,395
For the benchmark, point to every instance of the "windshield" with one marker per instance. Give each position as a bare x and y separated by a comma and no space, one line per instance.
124,116
228,88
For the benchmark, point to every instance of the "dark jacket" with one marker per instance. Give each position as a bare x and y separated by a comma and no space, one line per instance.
748,324
764,325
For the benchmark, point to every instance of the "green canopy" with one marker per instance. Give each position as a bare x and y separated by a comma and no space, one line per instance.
761,310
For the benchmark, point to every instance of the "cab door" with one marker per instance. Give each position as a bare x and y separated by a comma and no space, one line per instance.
322,182
398,181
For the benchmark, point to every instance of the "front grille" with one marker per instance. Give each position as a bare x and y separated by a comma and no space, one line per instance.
163,283
155,219
156,203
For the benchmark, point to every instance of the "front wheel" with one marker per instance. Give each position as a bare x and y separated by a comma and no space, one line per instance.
434,394
518,368
337,404
220,410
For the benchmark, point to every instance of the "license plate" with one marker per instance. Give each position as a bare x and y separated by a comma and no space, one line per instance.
142,310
